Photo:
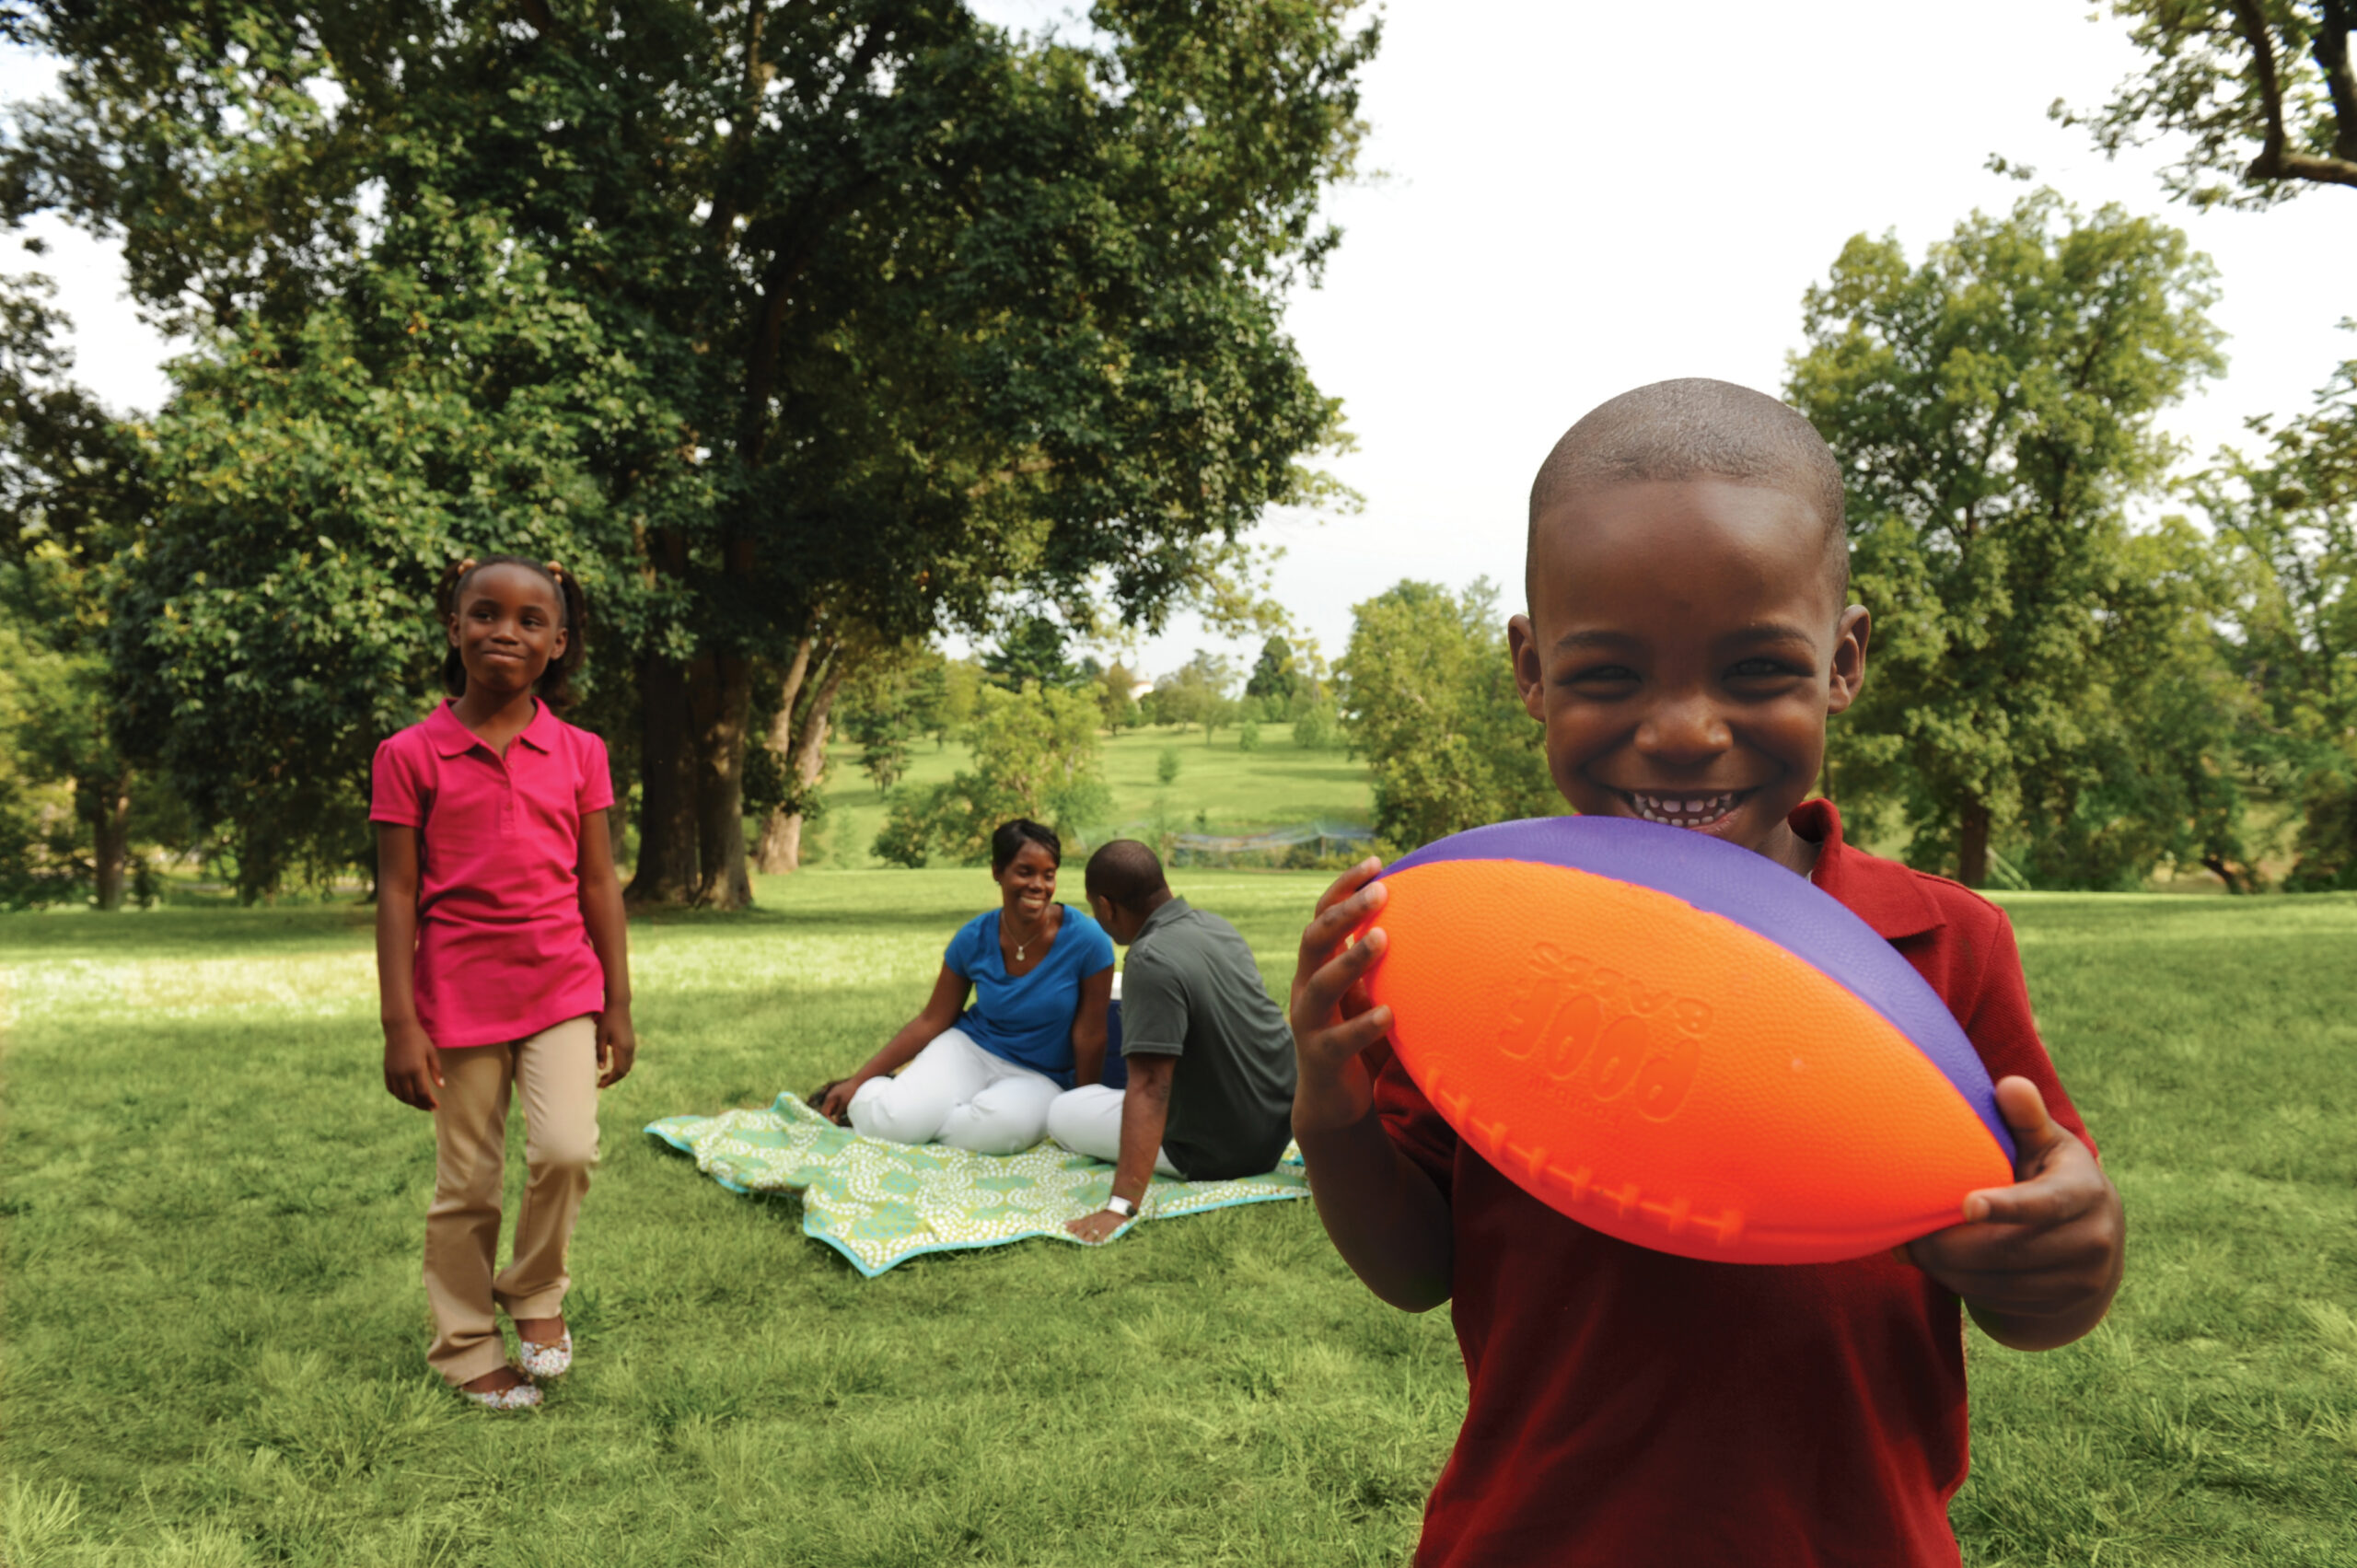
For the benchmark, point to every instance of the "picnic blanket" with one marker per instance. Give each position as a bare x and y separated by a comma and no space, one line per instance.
881,1203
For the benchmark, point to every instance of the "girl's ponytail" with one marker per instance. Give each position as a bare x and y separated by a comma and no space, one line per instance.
556,681
555,685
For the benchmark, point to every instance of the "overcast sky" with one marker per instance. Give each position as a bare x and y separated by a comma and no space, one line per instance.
1575,199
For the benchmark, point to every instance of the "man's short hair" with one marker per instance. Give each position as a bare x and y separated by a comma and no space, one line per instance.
1126,873
1695,428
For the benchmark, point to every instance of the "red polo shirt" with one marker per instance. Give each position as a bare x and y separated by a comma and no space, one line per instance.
502,950
1628,1408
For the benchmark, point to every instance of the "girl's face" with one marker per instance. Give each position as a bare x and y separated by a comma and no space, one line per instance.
508,627
1027,885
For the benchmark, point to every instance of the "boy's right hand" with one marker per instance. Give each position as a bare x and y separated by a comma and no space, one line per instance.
1333,1020
412,1067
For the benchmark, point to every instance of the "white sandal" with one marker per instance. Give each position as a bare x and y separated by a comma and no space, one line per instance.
522,1397
545,1361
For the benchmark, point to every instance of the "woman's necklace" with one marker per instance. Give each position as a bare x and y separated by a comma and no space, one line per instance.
1028,940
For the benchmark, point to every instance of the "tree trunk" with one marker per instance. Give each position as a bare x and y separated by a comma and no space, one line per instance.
618,819
781,849
111,832
2237,880
723,712
1972,843
789,692
667,811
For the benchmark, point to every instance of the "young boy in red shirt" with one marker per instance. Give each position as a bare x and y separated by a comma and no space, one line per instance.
1689,634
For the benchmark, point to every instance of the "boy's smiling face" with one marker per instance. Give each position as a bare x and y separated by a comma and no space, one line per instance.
1685,641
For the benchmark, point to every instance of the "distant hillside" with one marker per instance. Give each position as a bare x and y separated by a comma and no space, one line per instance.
1232,790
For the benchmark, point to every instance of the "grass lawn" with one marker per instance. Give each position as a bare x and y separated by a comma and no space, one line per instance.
213,1328
1220,785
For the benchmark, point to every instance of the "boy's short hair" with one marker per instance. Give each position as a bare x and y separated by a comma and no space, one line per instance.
1124,873
1697,428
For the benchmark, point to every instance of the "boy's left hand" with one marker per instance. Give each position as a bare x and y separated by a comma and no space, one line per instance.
617,1047
2037,1262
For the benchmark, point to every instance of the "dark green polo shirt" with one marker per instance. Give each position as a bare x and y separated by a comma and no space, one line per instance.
1190,990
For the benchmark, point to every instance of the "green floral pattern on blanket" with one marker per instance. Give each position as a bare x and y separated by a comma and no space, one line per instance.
881,1203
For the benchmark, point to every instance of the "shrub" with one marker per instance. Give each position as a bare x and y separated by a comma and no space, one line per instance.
1035,755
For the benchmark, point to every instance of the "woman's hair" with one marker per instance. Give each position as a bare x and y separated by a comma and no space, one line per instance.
1008,842
555,685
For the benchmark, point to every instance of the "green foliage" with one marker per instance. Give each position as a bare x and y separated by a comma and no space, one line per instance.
1318,726
75,497
1035,754
893,697
2287,523
1196,692
42,696
1166,767
1031,652
770,785
2263,88
1428,697
1121,710
1273,675
864,311
275,622
1995,409
1248,735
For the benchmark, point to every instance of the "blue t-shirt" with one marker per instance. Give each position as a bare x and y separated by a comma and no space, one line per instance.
1027,1019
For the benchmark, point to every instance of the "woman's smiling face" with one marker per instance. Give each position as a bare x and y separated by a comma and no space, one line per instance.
1027,883
1685,645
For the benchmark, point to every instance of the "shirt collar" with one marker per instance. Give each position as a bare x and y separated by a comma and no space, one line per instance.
1163,914
541,734
1884,894
453,738
450,737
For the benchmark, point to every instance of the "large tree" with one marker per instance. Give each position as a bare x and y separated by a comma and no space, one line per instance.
2287,520
2265,90
2266,93
1995,407
1428,697
878,313
72,494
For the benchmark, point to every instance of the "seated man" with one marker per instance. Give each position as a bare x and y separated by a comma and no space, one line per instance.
1210,1056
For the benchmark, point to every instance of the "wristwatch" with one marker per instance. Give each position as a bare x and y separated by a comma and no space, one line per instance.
1122,1206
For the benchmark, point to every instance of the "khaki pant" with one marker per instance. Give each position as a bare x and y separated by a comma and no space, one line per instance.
556,1071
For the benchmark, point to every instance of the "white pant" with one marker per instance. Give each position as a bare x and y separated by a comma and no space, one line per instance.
1087,1121
957,1093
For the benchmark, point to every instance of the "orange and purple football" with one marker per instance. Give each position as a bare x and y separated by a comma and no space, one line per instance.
1682,1044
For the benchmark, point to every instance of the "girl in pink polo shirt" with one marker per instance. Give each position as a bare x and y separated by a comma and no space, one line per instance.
501,957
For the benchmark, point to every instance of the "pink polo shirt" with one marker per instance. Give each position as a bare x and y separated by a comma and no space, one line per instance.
502,950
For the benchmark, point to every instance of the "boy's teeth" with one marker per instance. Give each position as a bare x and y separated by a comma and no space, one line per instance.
1682,811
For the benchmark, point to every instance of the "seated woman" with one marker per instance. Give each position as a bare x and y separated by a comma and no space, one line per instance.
982,1079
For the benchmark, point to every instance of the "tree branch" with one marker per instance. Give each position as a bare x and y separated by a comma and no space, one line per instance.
727,187
2275,160
2331,49
794,257
2269,164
